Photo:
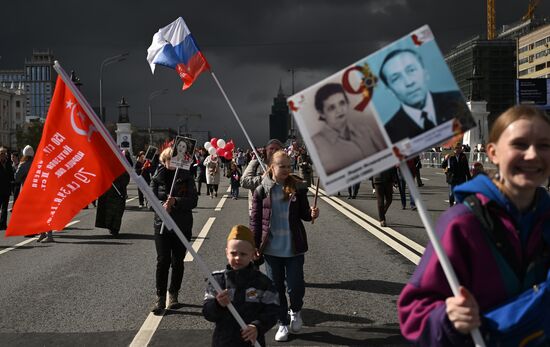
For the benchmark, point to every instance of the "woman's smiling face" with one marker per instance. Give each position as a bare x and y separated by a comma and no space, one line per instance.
522,154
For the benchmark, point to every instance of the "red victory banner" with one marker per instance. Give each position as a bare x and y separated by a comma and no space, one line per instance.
72,167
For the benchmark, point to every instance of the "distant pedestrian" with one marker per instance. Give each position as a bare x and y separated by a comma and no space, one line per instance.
241,159
353,190
141,170
305,167
200,169
6,179
234,178
15,186
457,170
212,163
402,184
253,174
23,168
111,205
417,167
251,292
383,185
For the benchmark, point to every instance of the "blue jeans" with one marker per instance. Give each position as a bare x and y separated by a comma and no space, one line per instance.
275,268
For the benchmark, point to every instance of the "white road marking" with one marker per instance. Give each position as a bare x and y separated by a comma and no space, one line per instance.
131,199
388,230
18,245
346,209
147,330
32,239
220,204
200,238
440,173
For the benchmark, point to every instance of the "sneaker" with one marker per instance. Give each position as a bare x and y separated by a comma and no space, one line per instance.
282,333
41,237
295,321
413,208
383,223
159,306
141,206
172,301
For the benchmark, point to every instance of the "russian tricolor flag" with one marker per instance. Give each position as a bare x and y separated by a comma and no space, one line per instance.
173,46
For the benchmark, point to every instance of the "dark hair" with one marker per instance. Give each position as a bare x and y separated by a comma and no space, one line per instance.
395,53
325,92
513,114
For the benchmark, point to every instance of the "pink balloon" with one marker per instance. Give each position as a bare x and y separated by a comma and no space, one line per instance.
214,142
220,152
228,155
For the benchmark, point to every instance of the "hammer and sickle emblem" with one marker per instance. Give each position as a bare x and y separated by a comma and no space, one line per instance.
88,133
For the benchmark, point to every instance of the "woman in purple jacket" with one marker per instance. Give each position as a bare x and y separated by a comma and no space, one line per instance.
280,204
429,314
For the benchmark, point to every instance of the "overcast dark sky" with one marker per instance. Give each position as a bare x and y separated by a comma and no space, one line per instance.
249,44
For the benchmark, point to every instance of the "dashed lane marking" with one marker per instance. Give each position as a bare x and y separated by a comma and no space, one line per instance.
32,239
147,330
200,238
220,204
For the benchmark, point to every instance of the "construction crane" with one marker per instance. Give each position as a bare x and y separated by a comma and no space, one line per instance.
491,26
530,10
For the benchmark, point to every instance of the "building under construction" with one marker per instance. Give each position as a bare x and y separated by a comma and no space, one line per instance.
485,67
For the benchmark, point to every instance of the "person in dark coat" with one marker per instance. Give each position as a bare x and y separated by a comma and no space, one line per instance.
383,185
200,169
170,249
141,167
457,170
111,205
6,177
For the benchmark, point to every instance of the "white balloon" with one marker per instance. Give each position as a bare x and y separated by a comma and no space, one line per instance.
221,143
207,145
212,150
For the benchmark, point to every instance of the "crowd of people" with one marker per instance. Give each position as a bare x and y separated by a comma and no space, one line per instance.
514,210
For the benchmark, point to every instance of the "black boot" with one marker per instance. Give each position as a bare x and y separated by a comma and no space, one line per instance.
173,301
159,306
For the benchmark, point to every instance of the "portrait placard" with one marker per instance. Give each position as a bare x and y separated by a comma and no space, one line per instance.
150,153
384,108
182,152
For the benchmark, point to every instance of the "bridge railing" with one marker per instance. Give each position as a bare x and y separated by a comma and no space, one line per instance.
435,159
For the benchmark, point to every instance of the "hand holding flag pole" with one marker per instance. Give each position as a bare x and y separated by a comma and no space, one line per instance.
143,186
443,259
175,47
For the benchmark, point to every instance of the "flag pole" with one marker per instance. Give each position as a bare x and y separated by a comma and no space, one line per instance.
315,198
443,259
238,120
169,195
147,191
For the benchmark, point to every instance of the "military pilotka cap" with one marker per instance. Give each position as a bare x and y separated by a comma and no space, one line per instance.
240,232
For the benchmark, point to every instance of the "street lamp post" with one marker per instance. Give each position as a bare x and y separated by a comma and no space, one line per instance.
151,97
291,130
107,61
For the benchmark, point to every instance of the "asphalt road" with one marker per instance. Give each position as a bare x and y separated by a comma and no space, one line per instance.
90,289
